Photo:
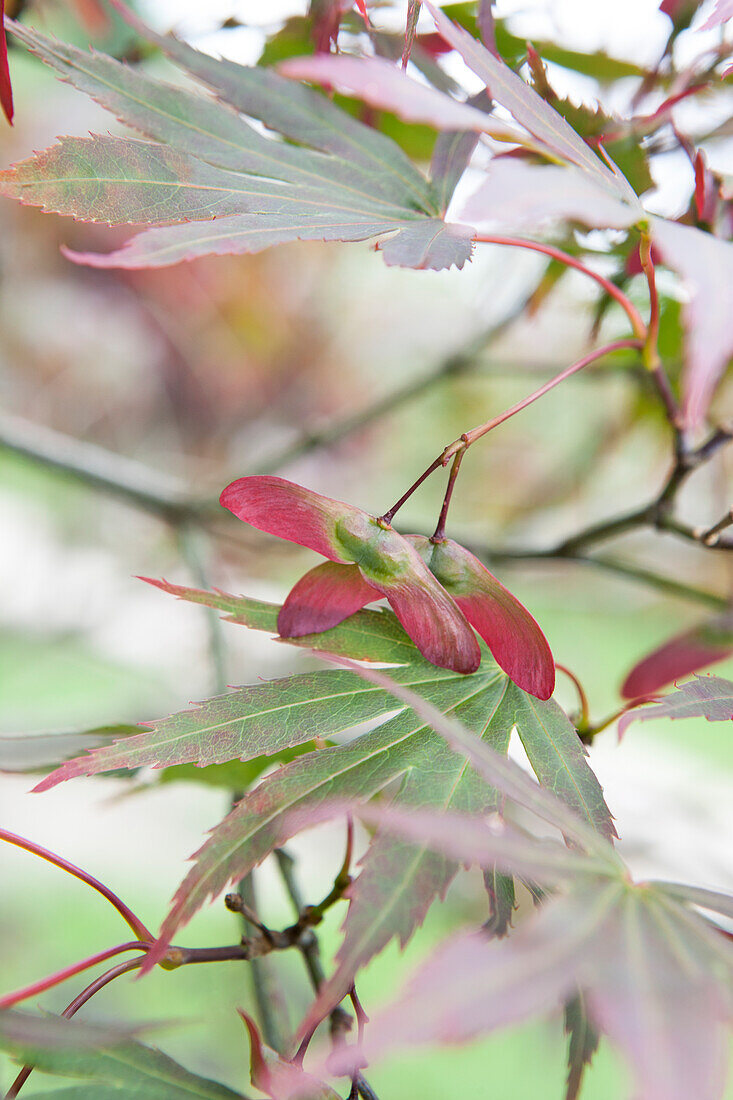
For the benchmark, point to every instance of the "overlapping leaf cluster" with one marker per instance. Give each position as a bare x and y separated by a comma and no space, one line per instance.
398,881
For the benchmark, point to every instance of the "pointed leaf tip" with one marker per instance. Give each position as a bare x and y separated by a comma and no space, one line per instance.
6,88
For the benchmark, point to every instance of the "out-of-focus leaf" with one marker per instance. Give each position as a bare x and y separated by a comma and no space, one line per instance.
23,1031
723,10
472,985
128,1071
582,1043
6,88
660,989
381,84
344,181
514,194
682,655
697,895
704,697
656,979
39,751
705,264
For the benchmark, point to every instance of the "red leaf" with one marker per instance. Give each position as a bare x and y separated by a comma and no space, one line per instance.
514,638
682,655
323,598
6,90
289,511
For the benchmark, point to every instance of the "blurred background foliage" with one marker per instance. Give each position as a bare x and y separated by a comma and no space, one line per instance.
228,366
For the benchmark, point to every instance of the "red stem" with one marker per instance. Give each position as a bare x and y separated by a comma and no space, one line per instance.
41,986
127,914
637,324
72,1008
470,437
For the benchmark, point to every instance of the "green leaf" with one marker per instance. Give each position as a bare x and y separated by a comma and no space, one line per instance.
23,1031
129,1071
342,180
582,1044
558,758
400,879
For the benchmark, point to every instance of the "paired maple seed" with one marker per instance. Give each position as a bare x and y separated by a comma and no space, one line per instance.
437,589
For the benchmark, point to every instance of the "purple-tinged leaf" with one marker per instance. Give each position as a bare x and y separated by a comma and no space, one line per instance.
704,697
323,598
682,655
120,181
429,244
485,23
304,116
657,989
705,264
243,234
471,985
265,817
516,641
381,84
549,128
655,977
723,11
697,895
6,88
514,194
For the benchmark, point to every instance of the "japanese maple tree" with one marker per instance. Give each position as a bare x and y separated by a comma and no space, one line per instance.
406,728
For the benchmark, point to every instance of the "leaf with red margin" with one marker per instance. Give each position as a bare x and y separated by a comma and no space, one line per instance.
704,697
6,88
682,655
341,181
705,264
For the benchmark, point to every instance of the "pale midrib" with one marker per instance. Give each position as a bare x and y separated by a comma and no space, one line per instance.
283,808
327,204
271,711
419,852
573,782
